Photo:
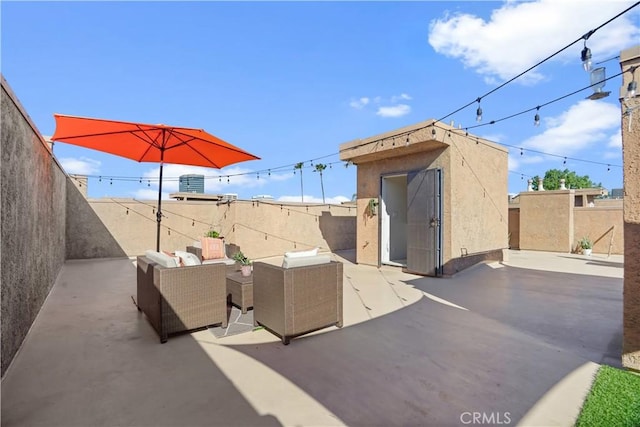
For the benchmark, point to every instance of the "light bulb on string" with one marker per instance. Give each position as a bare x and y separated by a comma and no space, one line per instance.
479,112
586,56
536,118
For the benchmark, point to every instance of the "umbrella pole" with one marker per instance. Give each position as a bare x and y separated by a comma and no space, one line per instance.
159,212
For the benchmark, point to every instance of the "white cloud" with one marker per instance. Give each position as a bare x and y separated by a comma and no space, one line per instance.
520,34
514,163
612,155
615,140
80,166
583,125
394,111
401,97
148,194
359,103
312,199
216,180
397,110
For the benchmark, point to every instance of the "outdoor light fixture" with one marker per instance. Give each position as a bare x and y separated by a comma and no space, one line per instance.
433,131
479,112
597,77
536,119
586,58
586,53
631,89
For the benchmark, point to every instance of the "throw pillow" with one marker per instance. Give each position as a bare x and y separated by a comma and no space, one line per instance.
161,258
188,258
175,257
212,248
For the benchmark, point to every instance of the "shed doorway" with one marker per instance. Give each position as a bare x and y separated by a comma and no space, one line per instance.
410,221
393,217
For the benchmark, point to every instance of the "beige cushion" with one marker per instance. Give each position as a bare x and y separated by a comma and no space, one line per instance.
289,262
162,259
225,261
297,254
188,258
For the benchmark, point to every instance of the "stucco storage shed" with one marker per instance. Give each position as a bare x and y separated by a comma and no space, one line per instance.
431,198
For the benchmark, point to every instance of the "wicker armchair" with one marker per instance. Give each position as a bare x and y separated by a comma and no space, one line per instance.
181,298
290,302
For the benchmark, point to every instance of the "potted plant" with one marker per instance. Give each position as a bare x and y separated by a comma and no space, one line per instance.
371,207
586,244
212,233
245,263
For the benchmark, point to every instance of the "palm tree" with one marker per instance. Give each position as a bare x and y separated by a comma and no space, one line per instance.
319,168
300,165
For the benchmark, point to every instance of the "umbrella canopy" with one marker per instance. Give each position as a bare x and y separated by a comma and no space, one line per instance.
149,143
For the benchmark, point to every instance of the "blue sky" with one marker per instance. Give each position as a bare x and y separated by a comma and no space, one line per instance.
291,81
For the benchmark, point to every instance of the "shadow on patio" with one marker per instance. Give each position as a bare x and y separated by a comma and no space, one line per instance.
92,359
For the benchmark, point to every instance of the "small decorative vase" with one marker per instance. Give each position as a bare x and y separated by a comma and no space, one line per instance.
245,270
587,252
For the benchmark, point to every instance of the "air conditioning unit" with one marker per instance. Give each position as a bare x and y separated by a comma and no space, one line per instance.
229,196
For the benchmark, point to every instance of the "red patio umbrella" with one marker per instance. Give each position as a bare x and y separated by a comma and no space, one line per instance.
149,143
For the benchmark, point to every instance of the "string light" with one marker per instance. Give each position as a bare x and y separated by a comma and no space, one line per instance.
536,118
479,112
586,53
631,88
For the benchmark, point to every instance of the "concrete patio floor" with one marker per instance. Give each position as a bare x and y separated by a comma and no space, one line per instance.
498,339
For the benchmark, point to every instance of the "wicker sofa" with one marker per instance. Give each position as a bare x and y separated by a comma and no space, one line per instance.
229,248
293,301
177,299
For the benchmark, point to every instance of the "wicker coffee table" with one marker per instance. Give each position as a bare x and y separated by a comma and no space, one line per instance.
241,290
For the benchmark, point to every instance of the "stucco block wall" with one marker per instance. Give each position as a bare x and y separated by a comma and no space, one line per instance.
596,224
479,195
546,220
514,227
265,229
631,171
127,227
368,187
33,223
